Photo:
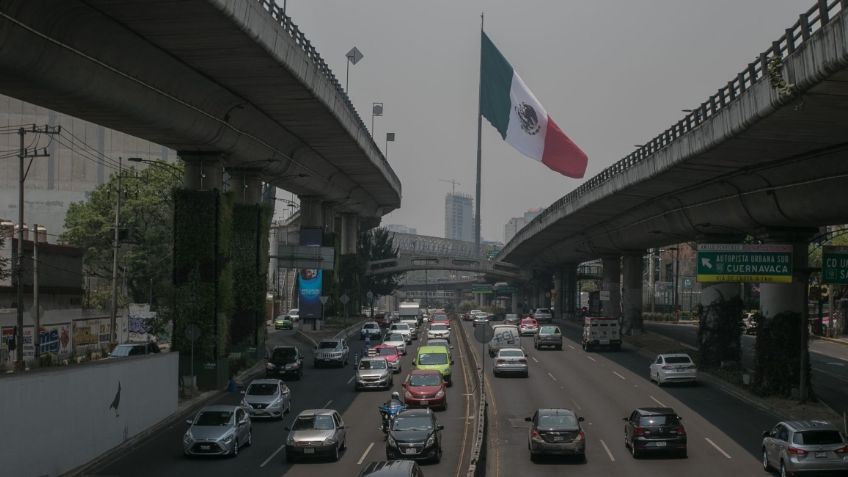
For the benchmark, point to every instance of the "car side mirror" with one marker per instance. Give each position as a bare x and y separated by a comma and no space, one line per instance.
580,419
766,433
528,419
189,421
440,427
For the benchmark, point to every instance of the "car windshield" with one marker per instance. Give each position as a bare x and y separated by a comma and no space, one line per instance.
308,423
327,345
438,327
677,360
432,358
372,364
121,350
371,326
262,389
557,421
425,380
285,355
387,351
543,310
659,420
511,353
418,423
817,438
549,330
395,337
400,327
213,418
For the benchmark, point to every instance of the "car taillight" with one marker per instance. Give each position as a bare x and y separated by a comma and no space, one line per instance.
842,450
796,451
535,434
501,361
681,431
580,436
638,431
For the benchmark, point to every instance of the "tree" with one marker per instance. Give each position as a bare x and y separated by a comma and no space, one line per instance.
374,244
145,230
5,272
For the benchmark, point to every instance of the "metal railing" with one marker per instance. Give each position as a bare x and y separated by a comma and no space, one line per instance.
800,32
305,45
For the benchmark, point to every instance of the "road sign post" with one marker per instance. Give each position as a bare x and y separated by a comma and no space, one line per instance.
192,333
344,299
323,299
835,264
763,263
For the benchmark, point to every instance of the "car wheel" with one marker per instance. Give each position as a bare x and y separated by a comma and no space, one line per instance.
559,347
235,448
783,472
438,457
683,454
633,450
344,444
766,466
336,454
249,437
533,456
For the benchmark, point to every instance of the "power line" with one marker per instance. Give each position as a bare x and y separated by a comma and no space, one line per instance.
103,156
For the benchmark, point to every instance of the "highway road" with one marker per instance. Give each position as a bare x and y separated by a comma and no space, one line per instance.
723,432
161,455
828,361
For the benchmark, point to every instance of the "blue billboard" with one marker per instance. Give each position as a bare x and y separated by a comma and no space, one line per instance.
310,280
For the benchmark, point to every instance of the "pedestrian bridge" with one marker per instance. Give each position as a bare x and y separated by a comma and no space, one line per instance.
406,263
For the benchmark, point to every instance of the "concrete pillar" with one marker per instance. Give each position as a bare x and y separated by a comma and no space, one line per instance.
203,171
632,293
329,216
349,233
611,285
776,298
514,302
246,185
311,211
569,291
557,299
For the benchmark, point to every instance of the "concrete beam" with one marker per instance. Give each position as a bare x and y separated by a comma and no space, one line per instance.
203,171
632,293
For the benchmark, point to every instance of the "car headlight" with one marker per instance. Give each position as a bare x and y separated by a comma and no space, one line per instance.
292,366
245,404
227,439
440,394
391,441
329,441
270,366
407,395
188,438
430,441
290,441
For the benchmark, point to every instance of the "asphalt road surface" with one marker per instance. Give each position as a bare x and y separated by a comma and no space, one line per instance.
603,387
828,361
161,455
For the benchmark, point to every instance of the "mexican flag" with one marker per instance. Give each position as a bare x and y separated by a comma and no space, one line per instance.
522,121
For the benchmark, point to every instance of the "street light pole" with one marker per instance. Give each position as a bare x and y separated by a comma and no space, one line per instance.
113,317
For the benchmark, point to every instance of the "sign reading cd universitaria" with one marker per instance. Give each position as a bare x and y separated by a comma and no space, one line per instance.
309,280
736,262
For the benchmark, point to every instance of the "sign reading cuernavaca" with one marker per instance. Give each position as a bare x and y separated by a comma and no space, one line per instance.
736,262
835,264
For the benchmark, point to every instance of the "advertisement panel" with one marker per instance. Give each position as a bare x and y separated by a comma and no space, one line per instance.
309,280
83,335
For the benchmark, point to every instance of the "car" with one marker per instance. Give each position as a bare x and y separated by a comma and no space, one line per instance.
511,361
392,468
434,357
528,326
467,317
316,433
134,349
392,355
548,335
425,388
284,361
293,315
503,336
673,368
218,430
749,323
397,340
556,432
413,323
794,447
267,398
415,435
404,329
439,331
654,429
442,342
370,329
511,319
440,318
383,320
543,315
373,372
331,352
283,322
481,319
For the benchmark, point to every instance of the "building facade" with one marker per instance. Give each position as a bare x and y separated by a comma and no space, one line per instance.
401,229
459,217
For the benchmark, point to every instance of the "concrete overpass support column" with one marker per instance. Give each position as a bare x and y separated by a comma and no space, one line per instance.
632,293
246,186
311,212
611,287
349,233
569,291
556,296
203,171
776,298
514,302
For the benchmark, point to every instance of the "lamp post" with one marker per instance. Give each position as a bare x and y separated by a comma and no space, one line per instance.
390,137
376,110
353,56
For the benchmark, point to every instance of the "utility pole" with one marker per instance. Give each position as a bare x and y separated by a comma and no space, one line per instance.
36,333
19,271
113,317
651,283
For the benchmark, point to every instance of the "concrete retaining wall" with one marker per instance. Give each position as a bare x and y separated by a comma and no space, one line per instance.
53,421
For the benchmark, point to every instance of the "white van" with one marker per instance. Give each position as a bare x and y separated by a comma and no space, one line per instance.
505,336
600,331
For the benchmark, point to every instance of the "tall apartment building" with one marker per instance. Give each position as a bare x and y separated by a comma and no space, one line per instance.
515,224
459,217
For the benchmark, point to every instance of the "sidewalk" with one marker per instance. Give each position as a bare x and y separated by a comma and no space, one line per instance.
842,341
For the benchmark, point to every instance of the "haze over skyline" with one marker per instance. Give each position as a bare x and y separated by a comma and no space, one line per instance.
612,75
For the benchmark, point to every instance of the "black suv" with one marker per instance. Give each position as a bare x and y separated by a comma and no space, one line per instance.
284,361
415,436
654,429
394,468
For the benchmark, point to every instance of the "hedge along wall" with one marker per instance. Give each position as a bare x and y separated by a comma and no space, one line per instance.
249,249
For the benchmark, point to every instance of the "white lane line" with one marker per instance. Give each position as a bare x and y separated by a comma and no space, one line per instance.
534,359
688,346
326,406
351,379
579,408
657,401
612,459
620,376
272,455
717,447
590,358
359,462
572,347
552,376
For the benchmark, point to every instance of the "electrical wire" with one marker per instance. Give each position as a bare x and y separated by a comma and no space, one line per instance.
85,144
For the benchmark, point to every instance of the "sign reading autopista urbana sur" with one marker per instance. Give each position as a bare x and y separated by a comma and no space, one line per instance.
736,262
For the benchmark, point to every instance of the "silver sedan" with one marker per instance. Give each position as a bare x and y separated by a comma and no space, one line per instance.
218,430
511,361
267,398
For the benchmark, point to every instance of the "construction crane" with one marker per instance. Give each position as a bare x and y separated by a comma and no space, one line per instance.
453,184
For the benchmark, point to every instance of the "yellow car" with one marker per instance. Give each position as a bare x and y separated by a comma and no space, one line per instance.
434,357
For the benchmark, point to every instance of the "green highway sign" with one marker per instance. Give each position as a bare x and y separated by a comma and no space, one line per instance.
481,288
507,290
736,262
835,264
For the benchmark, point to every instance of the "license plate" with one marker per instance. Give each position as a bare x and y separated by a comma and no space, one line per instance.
821,455
659,444
424,403
603,342
308,451
558,439
409,451
205,447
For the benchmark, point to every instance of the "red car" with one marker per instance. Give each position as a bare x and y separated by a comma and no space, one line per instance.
392,355
528,326
440,319
425,388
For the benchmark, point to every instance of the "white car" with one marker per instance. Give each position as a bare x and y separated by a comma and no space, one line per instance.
413,326
267,398
439,331
403,329
293,314
673,368
398,340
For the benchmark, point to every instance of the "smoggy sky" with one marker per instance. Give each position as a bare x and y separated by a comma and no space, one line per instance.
612,74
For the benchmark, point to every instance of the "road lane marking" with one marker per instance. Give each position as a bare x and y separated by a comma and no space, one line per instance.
351,379
469,398
572,347
272,455
552,376
359,462
657,401
687,346
620,376
609,454
591,358
327,406
576,405
534,359
717,447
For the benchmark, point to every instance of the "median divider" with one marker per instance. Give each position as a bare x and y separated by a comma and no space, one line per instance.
477,460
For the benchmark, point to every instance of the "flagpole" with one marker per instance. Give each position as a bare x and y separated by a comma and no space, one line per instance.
479,142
